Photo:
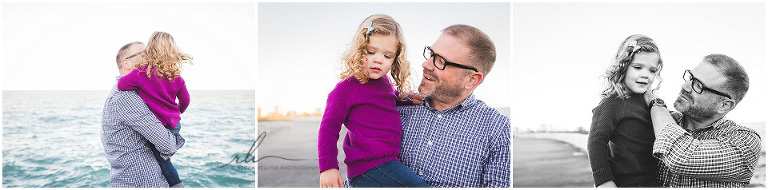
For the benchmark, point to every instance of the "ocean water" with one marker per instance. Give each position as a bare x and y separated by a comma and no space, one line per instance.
53,139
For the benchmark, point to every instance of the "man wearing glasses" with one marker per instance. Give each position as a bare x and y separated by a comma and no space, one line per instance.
128,126
453,139
703,148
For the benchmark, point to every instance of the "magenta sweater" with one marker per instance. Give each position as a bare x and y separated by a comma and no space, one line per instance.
160,94
373,126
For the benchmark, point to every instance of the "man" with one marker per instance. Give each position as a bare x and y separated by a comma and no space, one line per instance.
453,139
702,148
128,126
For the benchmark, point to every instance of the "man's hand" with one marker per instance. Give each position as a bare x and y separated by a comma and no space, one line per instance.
608,184
331,178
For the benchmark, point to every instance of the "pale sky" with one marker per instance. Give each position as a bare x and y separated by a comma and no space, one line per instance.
561,49
72,46
300,45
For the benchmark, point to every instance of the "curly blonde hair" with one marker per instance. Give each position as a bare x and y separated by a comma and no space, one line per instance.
614,75
164,56
352,60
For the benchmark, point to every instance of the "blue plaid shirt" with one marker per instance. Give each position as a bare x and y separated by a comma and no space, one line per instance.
127,127
463,146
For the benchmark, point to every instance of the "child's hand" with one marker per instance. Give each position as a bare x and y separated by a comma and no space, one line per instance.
331,178
609,184
649,95
418,98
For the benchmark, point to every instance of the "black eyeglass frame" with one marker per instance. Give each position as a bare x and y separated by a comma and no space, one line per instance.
434,57
134,55
703,87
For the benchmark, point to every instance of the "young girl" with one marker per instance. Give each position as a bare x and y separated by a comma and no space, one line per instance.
364,101
158,82
621,137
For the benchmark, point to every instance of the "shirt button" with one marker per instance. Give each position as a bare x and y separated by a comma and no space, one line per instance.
439,116
429,143
420,173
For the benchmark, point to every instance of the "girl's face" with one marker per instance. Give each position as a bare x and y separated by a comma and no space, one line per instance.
641,72
380,54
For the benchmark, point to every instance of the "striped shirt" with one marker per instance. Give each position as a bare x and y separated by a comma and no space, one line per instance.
723,154
128,126
467,145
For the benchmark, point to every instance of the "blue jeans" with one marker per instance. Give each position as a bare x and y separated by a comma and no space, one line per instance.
169,172
389,174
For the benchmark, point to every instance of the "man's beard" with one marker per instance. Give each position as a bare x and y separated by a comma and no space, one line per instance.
443,92
698,112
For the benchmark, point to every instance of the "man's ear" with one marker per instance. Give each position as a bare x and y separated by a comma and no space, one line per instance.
726,106
474,80
125,64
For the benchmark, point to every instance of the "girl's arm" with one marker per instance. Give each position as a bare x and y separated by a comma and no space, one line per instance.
183,96
603,125
129,81
336,111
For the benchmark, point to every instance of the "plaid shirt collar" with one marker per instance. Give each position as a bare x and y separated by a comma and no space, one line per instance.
720,123
464,105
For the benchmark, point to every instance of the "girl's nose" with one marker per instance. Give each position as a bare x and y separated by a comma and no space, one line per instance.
378,59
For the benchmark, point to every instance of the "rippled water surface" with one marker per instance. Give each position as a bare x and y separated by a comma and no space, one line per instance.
53,139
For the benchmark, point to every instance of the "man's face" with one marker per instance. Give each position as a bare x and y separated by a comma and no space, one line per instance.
133,50
449,83
701,106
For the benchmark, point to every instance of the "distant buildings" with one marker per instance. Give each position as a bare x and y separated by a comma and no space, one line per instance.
276,115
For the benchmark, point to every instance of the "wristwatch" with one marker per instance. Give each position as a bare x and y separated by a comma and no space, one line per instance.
657,102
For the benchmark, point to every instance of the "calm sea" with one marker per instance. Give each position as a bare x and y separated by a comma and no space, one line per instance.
53,139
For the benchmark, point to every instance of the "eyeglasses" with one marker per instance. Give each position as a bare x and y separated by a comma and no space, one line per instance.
699,87
134,55
440,62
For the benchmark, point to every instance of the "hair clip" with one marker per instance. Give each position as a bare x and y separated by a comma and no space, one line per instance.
633,47
368,25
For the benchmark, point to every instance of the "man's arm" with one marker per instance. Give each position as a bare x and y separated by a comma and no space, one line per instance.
729,157
138,117
496,171
661,117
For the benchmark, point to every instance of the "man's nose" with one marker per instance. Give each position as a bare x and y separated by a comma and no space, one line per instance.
428,64
687,86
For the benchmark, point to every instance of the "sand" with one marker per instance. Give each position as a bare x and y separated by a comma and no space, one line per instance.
579,141
549,163
293,140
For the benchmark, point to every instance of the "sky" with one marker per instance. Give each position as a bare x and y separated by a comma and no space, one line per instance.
72,46
300,45
561,50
